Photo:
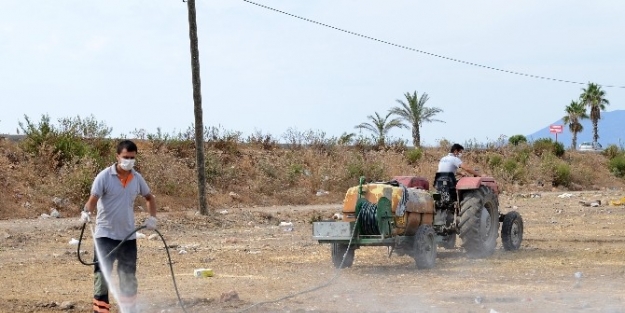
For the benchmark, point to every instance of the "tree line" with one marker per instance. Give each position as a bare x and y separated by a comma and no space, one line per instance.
412,113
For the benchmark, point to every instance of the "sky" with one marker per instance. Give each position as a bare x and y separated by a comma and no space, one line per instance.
127,63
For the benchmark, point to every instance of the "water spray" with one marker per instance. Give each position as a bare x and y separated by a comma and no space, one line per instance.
171,268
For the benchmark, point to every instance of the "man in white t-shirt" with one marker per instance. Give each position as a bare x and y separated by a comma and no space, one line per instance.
452,162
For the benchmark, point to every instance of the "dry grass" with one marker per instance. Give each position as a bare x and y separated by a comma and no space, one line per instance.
264,175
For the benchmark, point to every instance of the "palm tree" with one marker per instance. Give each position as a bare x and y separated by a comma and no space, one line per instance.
380,126
415,113
593,97
575,112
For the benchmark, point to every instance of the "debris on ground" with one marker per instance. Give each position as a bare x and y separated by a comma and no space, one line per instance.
566,195
153,237
55,213
66,305
618,202
141,235
229,296
286,226
73,242
337,216
223,212
322,192
594,204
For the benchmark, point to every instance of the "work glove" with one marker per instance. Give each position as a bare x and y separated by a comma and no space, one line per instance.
150,223
85,217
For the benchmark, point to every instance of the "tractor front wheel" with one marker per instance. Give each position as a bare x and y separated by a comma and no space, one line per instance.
340,251
479,222
425,247
512,231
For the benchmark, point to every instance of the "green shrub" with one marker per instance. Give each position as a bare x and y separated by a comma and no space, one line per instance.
517,139
414,156
542,145
523,155
355,168
294,172
612,151
546,145
68,141
558,149
510,166
495,161
372,171
562,174
617,166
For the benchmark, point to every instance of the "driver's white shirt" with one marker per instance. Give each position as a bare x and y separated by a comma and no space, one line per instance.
449,164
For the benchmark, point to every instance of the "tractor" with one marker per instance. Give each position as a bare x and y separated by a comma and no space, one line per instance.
405,216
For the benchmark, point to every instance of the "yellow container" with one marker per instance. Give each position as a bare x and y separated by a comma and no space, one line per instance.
203,272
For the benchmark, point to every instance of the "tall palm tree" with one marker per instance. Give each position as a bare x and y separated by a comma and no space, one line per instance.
575,112
593,97
380,126
415,113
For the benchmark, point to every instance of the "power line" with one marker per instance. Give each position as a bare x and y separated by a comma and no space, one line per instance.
424,52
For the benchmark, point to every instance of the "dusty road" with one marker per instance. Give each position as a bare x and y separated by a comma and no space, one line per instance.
253,256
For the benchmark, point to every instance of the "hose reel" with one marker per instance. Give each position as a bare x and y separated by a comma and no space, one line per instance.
375,219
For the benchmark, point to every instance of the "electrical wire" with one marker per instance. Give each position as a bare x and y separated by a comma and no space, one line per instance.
425,52
171,267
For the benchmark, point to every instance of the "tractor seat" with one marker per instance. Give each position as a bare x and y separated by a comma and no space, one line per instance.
445,185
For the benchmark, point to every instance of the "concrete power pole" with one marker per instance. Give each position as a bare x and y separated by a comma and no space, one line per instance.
197,109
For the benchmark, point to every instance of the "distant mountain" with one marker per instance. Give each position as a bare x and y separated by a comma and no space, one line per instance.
611,130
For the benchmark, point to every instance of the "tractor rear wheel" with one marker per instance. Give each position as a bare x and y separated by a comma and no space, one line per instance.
425,247
338,251
479,222
512,231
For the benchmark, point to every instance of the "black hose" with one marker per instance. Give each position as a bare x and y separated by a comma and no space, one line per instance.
171,267
369,223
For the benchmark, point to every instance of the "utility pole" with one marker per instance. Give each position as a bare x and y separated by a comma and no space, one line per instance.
197,108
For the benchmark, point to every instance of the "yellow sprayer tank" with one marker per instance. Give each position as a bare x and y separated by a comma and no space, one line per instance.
415,206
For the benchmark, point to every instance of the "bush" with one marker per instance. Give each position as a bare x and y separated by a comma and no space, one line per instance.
612,151
562,175
617,166
414,156
67,142
546,145
558,149
510,166
495,161
517,139
523,155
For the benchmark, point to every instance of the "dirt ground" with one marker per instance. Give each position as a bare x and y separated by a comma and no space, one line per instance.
572,260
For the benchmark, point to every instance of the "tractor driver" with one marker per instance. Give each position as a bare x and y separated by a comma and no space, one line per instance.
451,162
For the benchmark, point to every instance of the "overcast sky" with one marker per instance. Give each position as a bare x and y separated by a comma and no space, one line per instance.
127,63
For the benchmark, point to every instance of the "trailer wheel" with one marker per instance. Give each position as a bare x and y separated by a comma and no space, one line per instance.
425,247
338,251
512,231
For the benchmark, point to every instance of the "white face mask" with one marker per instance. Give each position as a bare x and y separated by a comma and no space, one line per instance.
127,164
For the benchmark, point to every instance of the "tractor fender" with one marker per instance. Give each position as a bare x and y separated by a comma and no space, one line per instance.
470,183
